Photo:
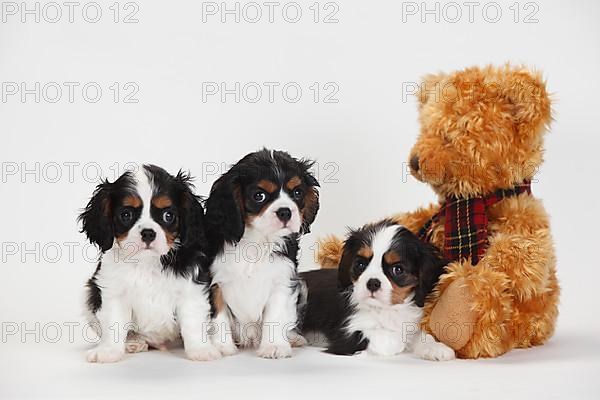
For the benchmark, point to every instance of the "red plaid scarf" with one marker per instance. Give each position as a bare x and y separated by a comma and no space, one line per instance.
466,221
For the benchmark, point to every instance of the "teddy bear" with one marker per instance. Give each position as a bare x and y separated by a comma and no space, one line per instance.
480,144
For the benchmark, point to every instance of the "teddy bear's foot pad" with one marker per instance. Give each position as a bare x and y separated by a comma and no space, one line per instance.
452,320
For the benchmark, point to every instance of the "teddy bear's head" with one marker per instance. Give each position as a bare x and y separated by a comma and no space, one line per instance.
481,130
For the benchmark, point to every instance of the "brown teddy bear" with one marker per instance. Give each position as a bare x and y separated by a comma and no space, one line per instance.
480,144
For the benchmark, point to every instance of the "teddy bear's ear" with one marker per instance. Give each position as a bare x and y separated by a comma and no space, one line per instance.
431,88
526,92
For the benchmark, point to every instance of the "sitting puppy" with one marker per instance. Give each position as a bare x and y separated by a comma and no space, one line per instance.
255,214
374,301
151,283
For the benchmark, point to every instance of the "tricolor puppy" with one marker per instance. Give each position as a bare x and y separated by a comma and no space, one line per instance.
374,301
151,283
255,214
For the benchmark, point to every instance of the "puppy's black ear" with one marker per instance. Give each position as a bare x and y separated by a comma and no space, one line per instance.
432,265
96,218
347,261
311,198
191,214
225,207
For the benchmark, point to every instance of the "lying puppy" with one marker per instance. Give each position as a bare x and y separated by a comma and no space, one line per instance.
374,301
255,214
151,283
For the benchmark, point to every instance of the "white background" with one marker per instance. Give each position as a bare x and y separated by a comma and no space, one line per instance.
361,144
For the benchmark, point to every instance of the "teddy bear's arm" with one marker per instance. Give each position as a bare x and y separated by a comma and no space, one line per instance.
522,248
414,220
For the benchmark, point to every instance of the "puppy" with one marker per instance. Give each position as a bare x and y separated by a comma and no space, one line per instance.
374,301
255,215
151,283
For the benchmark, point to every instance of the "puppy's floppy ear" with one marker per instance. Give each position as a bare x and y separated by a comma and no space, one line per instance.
432,265
96,218
191,214
225,207
311,198
347,260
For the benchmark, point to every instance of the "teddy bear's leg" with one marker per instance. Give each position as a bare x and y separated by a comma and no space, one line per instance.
534,322
512,293
523,250
470,311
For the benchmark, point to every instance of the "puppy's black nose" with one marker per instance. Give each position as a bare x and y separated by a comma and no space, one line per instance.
284,214
414,163
373,285
148,235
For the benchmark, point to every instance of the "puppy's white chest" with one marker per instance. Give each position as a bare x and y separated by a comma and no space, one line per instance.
392,320
247,285
154,304
150,294
247,295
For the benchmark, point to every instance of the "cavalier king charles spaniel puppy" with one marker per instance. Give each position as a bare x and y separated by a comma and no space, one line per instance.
374,300
151,285
255,215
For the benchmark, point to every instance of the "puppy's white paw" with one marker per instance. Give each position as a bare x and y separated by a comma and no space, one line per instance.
297,340
226,349
105,355
385,351
435,351
275,351
247,342
204,353
385,344
136,347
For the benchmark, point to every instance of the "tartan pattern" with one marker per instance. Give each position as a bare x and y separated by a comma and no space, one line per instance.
466,221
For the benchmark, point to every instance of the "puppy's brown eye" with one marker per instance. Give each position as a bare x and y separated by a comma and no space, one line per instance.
168,217
126,216
396,270
298,193
259,196
360,266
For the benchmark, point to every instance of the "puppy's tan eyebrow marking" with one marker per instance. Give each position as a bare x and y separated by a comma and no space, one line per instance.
267,185
132,201
391,257
162,201
292,183
365,252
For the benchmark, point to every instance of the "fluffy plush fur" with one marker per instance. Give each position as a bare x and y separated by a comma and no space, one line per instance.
255,214
151,283
482,130
374,301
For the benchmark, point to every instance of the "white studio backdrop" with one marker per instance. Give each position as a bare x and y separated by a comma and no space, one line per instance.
90,87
